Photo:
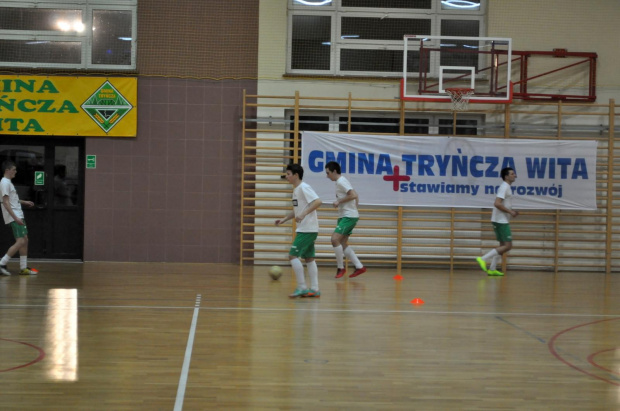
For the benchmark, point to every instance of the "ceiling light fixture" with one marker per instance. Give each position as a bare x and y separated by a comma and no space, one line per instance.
461,4
64,25
313,3
78,26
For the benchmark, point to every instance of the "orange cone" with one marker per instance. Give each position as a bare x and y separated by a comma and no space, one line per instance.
398,277
417,301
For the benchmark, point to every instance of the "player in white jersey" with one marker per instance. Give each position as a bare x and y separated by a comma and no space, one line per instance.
500,218
346,202
14,217
305,204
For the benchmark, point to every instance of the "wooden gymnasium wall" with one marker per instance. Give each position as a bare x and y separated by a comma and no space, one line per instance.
412,237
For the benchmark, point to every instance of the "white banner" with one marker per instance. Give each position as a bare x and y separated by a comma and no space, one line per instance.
453,171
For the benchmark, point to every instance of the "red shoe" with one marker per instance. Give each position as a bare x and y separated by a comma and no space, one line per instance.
357,272
340,272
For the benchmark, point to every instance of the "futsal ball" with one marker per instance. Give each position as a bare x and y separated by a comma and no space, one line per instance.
275,272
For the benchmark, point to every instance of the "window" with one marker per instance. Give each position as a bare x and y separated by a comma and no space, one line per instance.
41,50
382,28
384,125
379,123
98,34
467,127
389,4
365,37
451,26
311,42
112,37
371,122
43,19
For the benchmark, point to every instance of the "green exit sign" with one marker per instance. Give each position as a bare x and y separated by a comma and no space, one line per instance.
91,161
39,178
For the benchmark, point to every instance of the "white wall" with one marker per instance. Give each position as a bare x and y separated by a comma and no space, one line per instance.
576,25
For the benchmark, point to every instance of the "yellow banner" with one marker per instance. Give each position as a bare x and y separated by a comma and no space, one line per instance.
69,106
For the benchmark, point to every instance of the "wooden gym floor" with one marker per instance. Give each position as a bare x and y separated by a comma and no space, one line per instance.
127,336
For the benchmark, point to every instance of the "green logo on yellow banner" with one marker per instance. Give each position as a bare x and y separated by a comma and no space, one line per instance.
106,106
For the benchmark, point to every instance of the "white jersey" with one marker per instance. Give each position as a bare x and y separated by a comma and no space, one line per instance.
303,195
348,209
8,189
505,193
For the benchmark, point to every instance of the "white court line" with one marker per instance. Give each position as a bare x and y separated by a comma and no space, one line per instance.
327,310
178,405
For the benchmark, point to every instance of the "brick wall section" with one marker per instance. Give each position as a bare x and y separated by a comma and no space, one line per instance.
198,38
172,193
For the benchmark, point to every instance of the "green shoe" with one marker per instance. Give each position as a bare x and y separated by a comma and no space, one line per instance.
496,273
482,263
313,294
299,293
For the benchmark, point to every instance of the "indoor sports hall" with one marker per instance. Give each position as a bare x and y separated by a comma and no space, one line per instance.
151,139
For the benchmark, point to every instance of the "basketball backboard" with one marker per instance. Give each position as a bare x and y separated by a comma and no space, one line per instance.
440,62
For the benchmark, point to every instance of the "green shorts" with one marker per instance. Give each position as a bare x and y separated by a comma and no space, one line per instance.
303,245
345,225
502,232
19,231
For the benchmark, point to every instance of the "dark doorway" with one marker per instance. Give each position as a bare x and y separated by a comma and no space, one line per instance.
50,173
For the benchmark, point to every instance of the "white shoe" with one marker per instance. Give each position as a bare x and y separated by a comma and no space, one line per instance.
4,270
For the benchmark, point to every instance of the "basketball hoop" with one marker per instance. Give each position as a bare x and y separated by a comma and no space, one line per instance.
460,97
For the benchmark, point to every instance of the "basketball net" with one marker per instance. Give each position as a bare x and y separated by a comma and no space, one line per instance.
460,97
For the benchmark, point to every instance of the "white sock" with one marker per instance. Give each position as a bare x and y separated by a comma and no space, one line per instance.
23,261
339,256
351,256
5,260
299,273
313,273
496,259
490,255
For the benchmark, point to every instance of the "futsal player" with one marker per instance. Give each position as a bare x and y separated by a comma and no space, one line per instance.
500,218
305,204
14,217
346,202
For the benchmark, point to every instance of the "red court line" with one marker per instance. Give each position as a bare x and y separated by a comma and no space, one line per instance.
36,360
551,345
591,361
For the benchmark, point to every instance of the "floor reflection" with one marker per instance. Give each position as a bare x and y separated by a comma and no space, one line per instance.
61,335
